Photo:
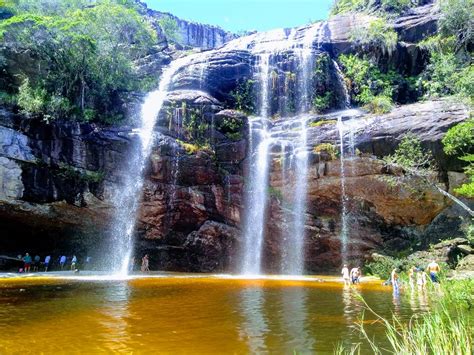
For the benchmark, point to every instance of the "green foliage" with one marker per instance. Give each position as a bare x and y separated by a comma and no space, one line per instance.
231,127
379,34
343,6
322,123
459,141
328,148
450,71
410,156
382,267
7,98
275,193
368,85
31,101
322,97
87,52
456,20
379,104
322,102
395,6
244,96
170,28
70,172
381,6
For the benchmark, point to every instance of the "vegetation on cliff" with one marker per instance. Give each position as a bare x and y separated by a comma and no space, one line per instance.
459,141
449,71
77,59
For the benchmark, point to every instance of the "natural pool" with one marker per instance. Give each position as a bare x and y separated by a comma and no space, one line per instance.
191,314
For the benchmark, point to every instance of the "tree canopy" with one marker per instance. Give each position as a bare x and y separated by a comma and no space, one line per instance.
84,53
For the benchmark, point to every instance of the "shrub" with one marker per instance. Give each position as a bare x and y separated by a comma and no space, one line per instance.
244,97
379,104
170,28
322,102
342,6
379,34
459,141
368,85
456,20
32,101
382,267
87,55
275,193
327,148
410,156
322,123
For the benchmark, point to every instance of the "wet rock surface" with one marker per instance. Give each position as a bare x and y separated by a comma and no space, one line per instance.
57,180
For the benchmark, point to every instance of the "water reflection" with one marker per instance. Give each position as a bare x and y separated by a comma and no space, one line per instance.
294,320
254,326
116,312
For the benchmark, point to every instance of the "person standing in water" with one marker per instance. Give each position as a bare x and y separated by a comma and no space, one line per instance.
145,264
421,279
394,280
355,275
36,263
46,262
27,260
73,262
433,269
345,275
62,261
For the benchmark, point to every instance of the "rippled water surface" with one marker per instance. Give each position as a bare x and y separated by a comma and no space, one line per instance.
181,314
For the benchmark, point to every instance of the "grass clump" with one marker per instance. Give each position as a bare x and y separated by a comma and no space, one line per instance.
327,148
378,34
322,123
446,329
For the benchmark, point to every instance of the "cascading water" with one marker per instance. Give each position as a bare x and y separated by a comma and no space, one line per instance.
261,139
293,261
342,84
257,186
344,226
127,200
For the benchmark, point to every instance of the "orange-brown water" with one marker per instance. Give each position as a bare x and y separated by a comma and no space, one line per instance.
204,315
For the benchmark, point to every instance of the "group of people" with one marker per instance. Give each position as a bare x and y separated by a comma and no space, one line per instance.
417,276
34,264
353,276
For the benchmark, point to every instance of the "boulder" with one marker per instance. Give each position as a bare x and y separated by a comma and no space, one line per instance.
212,247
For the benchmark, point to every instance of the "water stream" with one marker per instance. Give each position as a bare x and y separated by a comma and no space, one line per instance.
257,184
127,199
344,236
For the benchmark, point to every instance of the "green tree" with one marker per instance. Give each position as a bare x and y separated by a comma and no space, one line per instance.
459,141
170,28
456,20
87,56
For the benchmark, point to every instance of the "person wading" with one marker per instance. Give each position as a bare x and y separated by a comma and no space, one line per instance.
345,275
145,264
433,270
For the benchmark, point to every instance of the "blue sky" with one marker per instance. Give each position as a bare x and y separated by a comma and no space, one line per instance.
237,15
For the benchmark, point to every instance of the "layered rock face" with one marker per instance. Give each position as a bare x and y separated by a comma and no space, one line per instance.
57,180
188,33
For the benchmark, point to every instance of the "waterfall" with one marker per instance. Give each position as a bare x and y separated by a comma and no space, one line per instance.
344,229
293,261
257,184
127,199
342,83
